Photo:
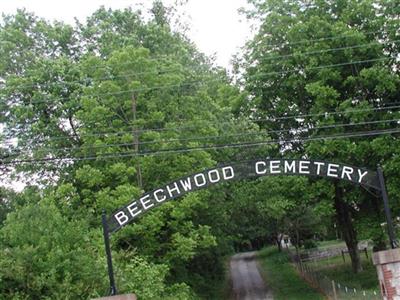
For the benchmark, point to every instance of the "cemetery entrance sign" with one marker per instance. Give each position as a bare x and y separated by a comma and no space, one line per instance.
372,181
236,171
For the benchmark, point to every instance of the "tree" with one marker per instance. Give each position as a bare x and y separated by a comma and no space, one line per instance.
6,205
45,255
103,110
266,209
332,62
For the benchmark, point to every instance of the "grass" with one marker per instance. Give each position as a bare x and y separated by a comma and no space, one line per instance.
282,277
335,269
330,244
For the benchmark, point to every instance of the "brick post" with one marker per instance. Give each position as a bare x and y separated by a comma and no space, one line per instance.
388,267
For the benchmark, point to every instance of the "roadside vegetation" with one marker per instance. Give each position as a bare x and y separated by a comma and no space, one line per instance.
287,283
339,270
283,278
95,114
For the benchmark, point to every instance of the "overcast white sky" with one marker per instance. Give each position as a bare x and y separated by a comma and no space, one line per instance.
215,25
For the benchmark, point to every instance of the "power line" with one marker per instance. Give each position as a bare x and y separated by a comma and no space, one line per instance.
144,89
101,79
334,113
165,71
161,87
162,57
329,50
335,37
200,138
214,147
182,128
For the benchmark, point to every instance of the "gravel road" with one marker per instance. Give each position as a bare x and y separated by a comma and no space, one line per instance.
247,283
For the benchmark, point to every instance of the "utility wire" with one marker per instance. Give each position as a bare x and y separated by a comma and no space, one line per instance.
269,119
182,128
328,50
165,71
213,137
161,87
200,148
334,37
98,80
157,58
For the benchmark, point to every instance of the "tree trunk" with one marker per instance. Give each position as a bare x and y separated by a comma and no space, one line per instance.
278,242
297,245
135,134
345,224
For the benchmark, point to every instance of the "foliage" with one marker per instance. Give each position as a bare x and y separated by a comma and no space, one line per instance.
310,244
283,279
96,113
45,255
147,279
335,63
335,269
265,209
7,198
88,104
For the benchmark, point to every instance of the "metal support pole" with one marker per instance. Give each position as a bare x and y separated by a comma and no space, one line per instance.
392,238
113,288
334,290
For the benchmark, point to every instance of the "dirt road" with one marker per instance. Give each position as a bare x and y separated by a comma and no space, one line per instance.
247,283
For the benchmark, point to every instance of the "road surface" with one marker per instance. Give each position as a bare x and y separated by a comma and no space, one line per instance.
247,283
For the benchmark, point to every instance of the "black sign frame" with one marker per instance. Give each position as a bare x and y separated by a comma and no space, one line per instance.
238,171
368,179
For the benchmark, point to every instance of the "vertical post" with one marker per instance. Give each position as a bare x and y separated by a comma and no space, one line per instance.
113,288
334,290
135,133
385,199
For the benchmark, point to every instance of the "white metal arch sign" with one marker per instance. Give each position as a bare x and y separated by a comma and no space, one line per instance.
236,171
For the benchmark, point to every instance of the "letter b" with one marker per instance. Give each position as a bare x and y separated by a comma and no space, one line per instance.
121,217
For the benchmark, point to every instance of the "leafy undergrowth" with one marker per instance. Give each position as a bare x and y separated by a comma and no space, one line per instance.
282,277
340,271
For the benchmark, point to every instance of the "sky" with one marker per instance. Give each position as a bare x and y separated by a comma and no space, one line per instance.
215,26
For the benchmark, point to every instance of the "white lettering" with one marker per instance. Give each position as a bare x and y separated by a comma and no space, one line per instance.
145,202
133,210
121,217
203,178
227,175
187,185
290,167
216,179
347,171
174,189
319,164
258,170
361,175
274,167
332,170
304,167
156,196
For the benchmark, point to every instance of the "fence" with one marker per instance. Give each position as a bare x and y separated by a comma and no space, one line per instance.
316,253
333,290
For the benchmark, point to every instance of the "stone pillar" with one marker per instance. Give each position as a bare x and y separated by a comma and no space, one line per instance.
119,297
388,267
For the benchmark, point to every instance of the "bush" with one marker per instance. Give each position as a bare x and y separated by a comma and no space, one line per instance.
44,255
310,244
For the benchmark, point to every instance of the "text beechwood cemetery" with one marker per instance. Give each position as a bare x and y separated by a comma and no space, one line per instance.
235,171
